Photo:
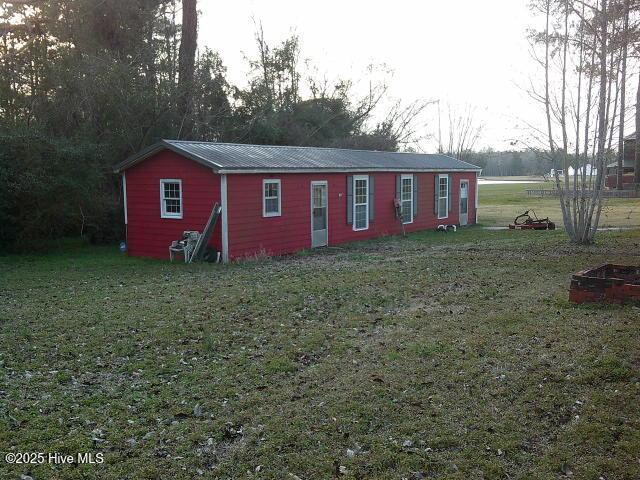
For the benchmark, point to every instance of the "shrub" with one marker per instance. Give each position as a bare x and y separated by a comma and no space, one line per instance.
54,188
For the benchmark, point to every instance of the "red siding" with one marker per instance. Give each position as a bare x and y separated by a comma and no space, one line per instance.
149,235
250,233
612,180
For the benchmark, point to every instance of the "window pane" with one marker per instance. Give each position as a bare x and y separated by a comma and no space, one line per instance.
172,206
407,211
443,191
407,188
361,191
271,205
171,190
319,219
270,189
319,197
442,207
361,216
464,205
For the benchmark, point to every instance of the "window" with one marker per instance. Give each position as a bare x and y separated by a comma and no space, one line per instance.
171,198
360,202
443,196
406,194
271,202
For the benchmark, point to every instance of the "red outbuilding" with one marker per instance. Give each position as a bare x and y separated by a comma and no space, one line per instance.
278,200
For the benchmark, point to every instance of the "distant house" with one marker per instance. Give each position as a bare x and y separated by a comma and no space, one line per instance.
589,169
278,200
628,165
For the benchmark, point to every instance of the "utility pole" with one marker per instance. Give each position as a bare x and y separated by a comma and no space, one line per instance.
439,130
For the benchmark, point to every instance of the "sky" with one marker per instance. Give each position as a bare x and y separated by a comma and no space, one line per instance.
462,52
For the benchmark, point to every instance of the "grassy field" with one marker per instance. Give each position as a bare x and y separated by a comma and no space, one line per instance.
436,356
499,205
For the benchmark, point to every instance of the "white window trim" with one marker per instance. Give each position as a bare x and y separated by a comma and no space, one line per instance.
264,198
446,197
366,179
402,179
163,212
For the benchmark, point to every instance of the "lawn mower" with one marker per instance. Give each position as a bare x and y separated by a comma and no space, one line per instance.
527,222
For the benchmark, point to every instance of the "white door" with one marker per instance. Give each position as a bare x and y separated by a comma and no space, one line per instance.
319,213
464,202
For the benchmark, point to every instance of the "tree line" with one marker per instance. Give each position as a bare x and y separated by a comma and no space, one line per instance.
85,83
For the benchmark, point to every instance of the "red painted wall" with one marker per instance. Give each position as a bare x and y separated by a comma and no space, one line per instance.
250,233
612,180
149,235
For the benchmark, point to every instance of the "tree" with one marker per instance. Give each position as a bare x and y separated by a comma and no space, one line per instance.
636,177
584,42
623,90
84,83
186,67
464,131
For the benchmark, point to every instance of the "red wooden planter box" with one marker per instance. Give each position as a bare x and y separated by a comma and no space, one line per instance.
607,283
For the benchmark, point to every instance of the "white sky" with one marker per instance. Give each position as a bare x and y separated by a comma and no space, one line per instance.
463,52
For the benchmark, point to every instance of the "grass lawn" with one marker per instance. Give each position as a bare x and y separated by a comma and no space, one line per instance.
441,355
499,205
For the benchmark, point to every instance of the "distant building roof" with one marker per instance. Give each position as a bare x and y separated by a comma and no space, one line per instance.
631,137
239,158
627,163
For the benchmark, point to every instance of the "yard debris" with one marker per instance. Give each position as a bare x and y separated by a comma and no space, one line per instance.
356,450
339,470
447,228
526,222
96,435
565,470
232,431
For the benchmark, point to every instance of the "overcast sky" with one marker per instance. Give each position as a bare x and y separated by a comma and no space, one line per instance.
462,52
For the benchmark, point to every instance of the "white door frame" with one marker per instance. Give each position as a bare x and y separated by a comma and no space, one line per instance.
326,186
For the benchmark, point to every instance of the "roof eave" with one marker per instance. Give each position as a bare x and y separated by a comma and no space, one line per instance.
342,170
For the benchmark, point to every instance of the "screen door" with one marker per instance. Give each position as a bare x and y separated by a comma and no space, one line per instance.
464,202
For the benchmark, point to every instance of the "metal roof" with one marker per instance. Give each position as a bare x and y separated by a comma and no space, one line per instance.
630,137
627,163
241,158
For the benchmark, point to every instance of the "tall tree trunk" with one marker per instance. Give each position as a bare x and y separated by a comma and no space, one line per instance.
636,176
547,103
623,91
596,199
569,220
577,211
186,66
